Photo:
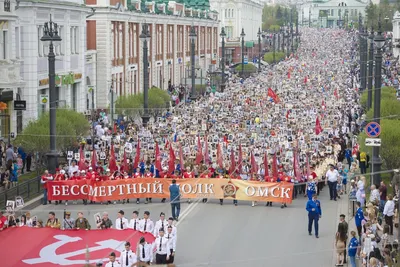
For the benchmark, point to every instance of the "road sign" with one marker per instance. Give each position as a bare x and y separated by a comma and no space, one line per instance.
44,99
372,142
246,60
373,129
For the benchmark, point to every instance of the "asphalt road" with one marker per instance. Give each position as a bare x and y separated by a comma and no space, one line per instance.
228,236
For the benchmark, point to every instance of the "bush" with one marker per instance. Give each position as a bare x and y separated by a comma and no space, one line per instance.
269,57
247,68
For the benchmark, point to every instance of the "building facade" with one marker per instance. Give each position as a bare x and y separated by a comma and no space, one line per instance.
114,30
396,34
238,14
71,89
11,82
330,13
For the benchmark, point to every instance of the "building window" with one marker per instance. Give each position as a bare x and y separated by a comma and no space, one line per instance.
226,13
74,40
74,95
120,41
59,46
17,42
112,41
3,44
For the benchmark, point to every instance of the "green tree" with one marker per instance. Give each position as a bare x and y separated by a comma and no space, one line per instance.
71,126
247,68
269,57
390,120
132,105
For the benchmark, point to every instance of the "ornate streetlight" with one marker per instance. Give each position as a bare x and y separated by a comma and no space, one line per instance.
223,35
193,37
242,35
145,38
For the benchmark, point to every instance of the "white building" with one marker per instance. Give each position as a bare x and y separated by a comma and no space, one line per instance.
235,15
10,78
330,13
396,34
71,90
114,30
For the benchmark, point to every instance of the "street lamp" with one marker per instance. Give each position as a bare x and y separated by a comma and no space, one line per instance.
279,38
242,35
273,47
223,35
145,38
50,36
370,67
259,49
287,43
379,43
192,37
364,39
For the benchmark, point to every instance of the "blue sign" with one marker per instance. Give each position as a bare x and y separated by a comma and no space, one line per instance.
373,129
246,60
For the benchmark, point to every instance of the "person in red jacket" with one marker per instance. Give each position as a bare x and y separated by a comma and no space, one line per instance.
137,173
176,175
188,173
46,177
59,177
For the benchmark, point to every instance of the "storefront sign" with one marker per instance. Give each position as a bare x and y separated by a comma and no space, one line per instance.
19,105
159,188
67,79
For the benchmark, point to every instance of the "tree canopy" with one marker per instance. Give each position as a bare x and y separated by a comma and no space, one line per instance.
276,15
132,105
70,126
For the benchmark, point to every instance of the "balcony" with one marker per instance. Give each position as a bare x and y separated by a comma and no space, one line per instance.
10,74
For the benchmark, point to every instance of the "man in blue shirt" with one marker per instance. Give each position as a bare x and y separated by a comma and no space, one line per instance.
359,217
314,214
175,197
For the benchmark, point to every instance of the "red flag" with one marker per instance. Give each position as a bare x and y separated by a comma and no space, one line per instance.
158,158
335,93
219,156
318,128
272,94
207,160
305,79
308,166
115,127
323,105
254,166
81,164
274,168
199,155
240,160
171,163
296,167
181,159
166,145
232,168
288,74
266,165
287,114
112,165
137,156
94,160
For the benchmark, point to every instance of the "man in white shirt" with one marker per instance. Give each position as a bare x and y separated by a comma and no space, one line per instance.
172,244
128,257
145,251
331,179
162,248
112,262
121,223
135,221
171,223
161,223
72,168
146,225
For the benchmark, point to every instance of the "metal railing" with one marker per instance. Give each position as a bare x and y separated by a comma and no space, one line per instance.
27,190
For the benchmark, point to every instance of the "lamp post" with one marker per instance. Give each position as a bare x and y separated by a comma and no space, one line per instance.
273,47
242,35
51,35
370,67
145,38
192,37
223,35
309,18
259,48
291,29
279,39
379,43
362,52
287,43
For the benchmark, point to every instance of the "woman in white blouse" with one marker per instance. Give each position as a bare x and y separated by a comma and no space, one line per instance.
388,212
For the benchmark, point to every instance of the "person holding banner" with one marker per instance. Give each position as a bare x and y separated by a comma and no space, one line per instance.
314,214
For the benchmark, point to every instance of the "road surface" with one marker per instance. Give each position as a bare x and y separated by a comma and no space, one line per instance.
228,236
